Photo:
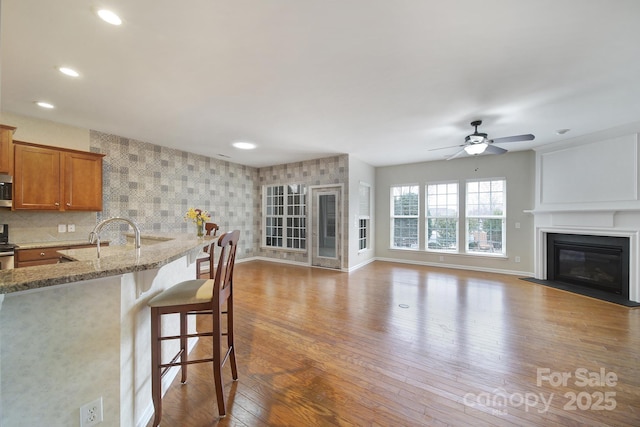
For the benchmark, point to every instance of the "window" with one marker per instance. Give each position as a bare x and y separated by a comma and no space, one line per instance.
362,238
364,216
442,216
285,210
486,216
405,208
274,214
296,217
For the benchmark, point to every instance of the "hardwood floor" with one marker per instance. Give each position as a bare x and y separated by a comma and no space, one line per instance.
402,345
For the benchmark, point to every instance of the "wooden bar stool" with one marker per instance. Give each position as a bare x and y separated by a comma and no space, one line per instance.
206,255
193,297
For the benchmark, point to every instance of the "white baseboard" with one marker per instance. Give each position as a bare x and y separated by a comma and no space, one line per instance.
399,261
358,266
278,260
459,267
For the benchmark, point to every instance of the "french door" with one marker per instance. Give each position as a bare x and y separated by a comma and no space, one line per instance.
326,227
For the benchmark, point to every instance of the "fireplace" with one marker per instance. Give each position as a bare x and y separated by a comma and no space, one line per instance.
595,262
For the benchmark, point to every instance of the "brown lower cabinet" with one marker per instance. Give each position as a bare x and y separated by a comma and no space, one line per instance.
42,256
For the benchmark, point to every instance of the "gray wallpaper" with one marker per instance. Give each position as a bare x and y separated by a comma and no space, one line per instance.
329,170
155,186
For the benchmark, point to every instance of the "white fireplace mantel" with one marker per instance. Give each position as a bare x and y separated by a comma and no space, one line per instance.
600,222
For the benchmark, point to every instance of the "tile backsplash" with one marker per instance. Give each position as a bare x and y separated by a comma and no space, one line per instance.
42,226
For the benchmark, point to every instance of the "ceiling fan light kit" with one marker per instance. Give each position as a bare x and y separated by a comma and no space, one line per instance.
476,148
479,143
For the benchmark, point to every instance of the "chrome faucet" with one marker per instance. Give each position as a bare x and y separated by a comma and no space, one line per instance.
94,236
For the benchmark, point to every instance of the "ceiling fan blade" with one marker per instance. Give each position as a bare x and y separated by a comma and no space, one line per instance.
515,138
492,149
458,154
445,148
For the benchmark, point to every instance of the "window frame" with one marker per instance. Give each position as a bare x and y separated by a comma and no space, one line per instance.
290,216
434,217
364,217
489,251
393,216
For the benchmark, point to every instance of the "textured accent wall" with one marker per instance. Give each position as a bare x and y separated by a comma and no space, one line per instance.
325,171
154,186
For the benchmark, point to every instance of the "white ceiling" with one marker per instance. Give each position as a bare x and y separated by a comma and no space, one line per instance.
382,80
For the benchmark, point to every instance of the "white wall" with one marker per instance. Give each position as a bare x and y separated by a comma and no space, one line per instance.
360,172
590,172
517,168
46,132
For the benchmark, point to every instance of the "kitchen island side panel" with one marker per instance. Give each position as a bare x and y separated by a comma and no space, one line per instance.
64,346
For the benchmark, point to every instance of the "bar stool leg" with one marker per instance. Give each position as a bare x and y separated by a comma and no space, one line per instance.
230,343
217,365
156,380
183,346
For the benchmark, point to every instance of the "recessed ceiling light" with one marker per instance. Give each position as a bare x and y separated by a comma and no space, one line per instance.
109,16
69,71
44,104
244,145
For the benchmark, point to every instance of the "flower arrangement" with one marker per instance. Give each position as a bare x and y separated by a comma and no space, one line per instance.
198,216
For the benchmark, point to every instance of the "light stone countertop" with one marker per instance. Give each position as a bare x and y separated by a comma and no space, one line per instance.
157,249
51,244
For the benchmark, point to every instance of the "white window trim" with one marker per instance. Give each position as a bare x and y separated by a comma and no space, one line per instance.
503,253
263,242
366,217
458,249
392,217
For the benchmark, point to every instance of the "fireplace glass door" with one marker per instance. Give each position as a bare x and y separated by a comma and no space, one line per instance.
598,262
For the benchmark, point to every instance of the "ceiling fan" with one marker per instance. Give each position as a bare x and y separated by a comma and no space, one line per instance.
479,143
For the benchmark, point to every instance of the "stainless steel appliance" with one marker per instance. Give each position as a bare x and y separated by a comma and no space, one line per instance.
6,248
6,191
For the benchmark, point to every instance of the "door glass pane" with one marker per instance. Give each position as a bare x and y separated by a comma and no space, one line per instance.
327,225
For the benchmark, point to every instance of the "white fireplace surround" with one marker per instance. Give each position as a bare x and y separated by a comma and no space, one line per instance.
540,253
590,185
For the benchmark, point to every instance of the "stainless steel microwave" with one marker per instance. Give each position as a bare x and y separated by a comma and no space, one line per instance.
6,191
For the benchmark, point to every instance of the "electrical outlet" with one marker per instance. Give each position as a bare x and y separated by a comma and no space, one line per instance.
62,228
91,413
441,258
517,259
71,228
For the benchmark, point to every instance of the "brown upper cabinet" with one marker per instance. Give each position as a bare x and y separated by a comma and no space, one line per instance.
56,179
6,149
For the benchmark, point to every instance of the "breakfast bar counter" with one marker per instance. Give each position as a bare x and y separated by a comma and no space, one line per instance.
156,251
